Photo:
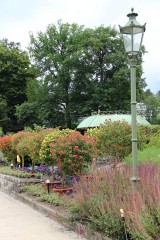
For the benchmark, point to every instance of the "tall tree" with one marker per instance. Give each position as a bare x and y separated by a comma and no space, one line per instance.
14,74
111,75
81,70
152,102
3,113
55,54
34,110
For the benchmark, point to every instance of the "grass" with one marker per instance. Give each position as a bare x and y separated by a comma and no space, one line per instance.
42,195
151,153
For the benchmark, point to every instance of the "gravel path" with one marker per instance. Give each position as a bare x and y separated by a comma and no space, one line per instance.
20,222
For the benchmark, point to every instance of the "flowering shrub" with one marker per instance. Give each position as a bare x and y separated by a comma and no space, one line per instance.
22,146
34,141
114,138
19,144
73,152
7,149
44,153
16,138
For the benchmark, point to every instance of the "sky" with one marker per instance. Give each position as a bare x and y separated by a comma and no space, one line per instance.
20,17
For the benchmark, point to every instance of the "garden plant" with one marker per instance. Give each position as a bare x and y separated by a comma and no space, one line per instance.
45,154
73,153
114,139
96,201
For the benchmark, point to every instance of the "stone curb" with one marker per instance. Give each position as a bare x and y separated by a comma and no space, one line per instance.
58,215
44,208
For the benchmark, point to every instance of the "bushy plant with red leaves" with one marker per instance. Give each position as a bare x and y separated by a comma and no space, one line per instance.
7,149
45,155
19,145
73,152
34,141
16,138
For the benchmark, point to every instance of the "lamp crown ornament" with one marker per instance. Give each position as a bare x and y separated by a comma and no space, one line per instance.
132,13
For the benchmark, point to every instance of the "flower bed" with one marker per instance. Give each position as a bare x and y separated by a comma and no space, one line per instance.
15,172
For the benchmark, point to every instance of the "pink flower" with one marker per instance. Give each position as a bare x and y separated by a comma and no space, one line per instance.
76,147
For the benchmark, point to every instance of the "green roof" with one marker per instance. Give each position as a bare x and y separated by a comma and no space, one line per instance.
97,120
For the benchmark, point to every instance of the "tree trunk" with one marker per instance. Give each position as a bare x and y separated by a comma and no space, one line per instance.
52,172
22,162
32,167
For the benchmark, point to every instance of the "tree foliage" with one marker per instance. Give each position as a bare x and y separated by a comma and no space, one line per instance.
79,70
15,72
152,103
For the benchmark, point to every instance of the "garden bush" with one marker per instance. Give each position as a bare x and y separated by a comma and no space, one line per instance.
19,144
74,153
114,138
33,143
45,154
38,191
7,149
17,137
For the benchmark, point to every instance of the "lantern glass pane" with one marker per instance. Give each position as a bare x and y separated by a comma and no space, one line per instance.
137,39
127,42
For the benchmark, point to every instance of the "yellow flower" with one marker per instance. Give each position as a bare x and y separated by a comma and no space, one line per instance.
18,159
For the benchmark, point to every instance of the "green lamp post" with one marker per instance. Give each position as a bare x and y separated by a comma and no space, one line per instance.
132,34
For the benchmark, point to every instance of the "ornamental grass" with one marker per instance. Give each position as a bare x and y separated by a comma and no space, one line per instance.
97,202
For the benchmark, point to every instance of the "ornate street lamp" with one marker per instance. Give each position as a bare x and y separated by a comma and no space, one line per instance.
132,34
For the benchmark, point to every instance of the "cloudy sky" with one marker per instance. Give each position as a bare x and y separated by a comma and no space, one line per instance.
19,17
